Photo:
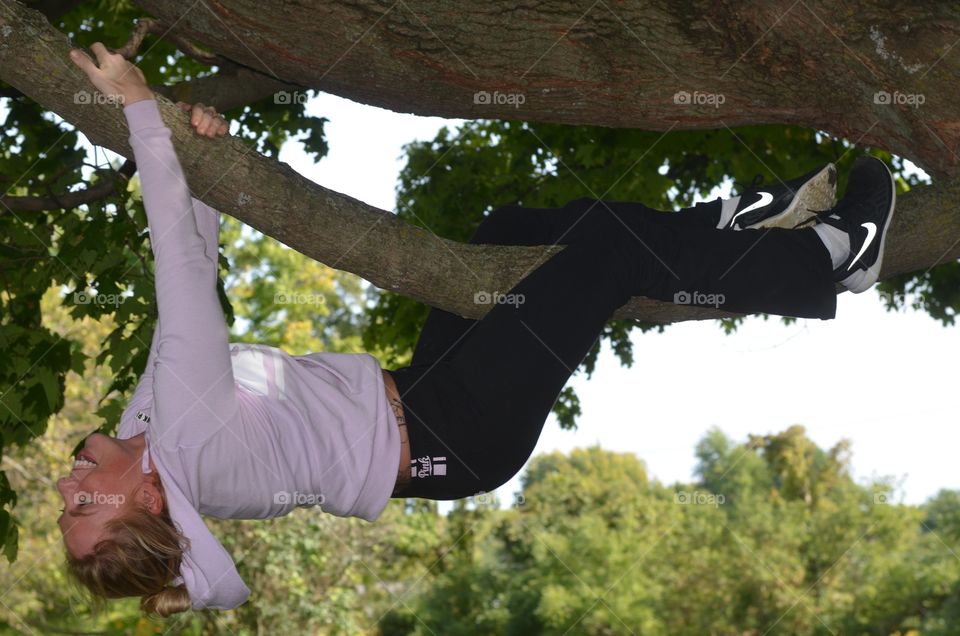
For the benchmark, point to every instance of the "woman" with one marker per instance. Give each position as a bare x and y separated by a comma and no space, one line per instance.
248,431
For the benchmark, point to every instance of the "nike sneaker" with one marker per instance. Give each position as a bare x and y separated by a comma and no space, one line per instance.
788,205
864,214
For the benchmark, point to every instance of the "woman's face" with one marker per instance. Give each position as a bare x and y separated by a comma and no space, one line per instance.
101,488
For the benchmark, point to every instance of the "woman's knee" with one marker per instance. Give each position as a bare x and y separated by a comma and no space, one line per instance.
503,460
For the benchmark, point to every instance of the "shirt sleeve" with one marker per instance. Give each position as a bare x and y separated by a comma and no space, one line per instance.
192,378
140,403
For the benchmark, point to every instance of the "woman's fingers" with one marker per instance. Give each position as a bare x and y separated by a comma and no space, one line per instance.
112,74
101,52
212,121
81,59
204,124
197,114
211,126
205,119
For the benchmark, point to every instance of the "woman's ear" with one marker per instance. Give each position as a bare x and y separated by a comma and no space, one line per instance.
149,496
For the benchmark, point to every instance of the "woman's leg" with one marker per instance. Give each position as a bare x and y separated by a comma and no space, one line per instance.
443,331
485,401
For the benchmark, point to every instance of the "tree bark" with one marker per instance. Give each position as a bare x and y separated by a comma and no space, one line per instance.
350,235
815,63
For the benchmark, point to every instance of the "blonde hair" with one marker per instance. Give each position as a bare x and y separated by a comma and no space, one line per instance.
139,555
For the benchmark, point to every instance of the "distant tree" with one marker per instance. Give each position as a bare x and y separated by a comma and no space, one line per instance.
597,548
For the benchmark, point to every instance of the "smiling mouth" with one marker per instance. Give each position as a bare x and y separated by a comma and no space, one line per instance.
84,459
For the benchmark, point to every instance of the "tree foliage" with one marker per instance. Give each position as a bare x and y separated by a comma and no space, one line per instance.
595,547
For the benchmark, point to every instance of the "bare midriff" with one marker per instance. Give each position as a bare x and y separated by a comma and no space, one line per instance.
393,397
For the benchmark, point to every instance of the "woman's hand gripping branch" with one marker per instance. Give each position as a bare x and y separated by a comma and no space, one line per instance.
113,75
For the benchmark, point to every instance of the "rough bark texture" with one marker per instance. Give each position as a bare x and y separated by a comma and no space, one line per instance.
229,89
815,63
350,235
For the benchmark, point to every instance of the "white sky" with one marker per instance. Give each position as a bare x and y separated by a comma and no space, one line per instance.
881,379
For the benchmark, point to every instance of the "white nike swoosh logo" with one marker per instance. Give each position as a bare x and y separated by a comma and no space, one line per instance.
871,233
765,199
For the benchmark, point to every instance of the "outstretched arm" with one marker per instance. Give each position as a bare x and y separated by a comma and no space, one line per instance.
206,122
192,376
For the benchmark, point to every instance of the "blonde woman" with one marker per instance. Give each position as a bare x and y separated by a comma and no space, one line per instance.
248,431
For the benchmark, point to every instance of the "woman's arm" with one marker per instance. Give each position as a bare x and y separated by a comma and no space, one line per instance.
193,389
206,122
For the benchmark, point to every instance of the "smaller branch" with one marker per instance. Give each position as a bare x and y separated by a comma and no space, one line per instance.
68,200
68,168
150,25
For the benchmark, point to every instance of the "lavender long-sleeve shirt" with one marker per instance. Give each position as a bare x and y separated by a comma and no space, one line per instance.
237,430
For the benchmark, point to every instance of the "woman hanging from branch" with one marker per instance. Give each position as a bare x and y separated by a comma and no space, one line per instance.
248,431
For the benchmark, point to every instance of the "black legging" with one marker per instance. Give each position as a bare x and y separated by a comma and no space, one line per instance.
477,393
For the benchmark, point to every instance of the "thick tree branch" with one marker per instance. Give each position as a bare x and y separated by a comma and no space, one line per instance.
859,69
350,235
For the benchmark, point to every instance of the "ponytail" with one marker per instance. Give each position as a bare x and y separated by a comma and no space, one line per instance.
167,601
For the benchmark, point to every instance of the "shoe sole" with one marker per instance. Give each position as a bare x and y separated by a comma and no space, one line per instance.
862,280
818,194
